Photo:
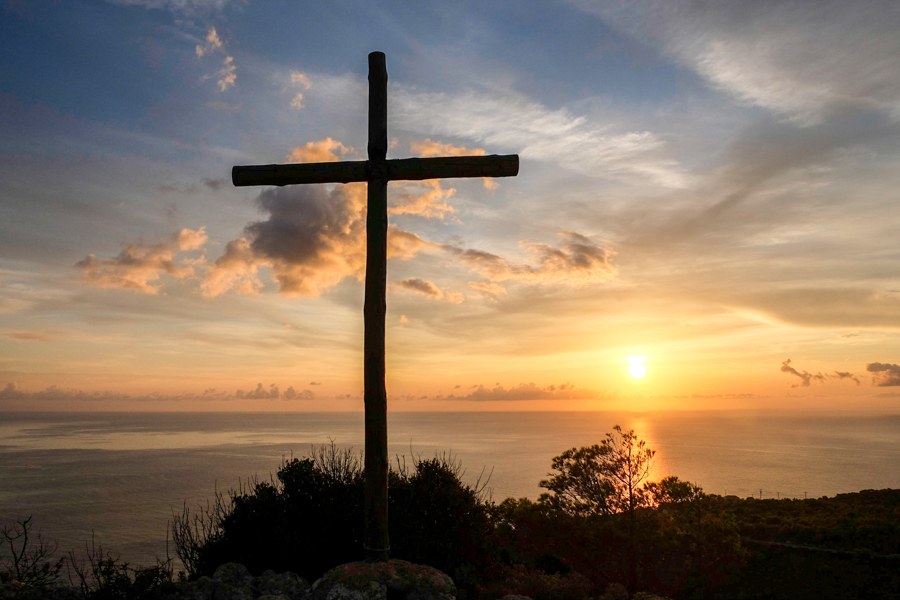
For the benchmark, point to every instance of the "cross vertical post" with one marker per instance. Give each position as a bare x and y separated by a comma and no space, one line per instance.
377,171
377,541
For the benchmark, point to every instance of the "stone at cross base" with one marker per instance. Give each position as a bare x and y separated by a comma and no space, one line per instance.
384,580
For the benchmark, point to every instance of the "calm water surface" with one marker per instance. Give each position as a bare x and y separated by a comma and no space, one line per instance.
121,476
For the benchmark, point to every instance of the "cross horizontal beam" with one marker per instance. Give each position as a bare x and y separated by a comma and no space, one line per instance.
411,169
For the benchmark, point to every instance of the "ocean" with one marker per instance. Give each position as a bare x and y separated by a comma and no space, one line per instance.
119,477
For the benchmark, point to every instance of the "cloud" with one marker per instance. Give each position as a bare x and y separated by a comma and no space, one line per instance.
11,391
576,260
139,267
429,203
30,336
430,289
299,79
236,270
509,122
212,44
326,150
846,375
180,6
274,393
490,291
522,392
797,59
805,376
884,374
227,74
312,239
429,148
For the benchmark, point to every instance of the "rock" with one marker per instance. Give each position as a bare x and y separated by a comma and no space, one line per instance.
385,580
285,586
235,574
232,582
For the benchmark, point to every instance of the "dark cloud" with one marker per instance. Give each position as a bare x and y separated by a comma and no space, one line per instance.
577,258
11,391
312,239
846,375
884,374
522,392
805,376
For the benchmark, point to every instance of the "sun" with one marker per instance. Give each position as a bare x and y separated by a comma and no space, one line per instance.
637,366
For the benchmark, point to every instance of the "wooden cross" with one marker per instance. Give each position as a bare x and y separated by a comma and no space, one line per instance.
376,172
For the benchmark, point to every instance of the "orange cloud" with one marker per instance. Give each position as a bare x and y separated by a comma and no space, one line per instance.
490,291
213,42
429,148
235,270
430,289
314,238
429,204
300,79
404,245
138,267
326,150
227,75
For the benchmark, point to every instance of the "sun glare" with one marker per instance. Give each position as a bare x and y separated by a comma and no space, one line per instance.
637,366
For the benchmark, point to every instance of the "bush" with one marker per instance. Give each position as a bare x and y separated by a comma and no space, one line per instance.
310,519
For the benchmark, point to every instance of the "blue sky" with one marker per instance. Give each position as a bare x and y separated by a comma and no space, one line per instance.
710,187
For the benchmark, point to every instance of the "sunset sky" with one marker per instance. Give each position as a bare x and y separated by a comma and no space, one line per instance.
706,213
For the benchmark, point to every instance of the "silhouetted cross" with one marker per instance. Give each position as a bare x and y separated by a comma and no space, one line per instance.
376,171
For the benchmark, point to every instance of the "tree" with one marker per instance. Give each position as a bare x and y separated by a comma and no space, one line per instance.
603,479
606,478
30,559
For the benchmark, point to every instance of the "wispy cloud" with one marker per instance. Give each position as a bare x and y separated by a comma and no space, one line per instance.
799,59
213,44
299,80
190,7
508,122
